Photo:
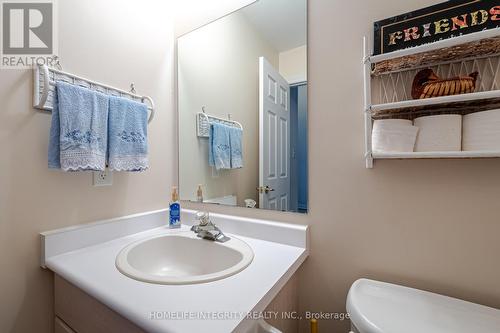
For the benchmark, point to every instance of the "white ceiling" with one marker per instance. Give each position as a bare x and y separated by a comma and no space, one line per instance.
283,23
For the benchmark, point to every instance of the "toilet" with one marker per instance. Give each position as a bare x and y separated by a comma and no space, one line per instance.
379,307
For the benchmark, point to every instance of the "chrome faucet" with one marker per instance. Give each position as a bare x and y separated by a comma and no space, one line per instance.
207,230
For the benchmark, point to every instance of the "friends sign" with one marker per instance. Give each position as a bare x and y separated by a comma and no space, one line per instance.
445,20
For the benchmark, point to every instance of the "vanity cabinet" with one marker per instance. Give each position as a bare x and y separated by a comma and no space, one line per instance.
61,327
78,312
287,301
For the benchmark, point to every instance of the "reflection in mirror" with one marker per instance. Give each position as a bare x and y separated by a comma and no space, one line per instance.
242,103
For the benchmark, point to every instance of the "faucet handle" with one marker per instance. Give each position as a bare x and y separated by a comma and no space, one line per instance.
203,217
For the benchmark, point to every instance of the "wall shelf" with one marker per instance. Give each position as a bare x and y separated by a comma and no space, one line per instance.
471,47
436,46
437,154
471,50
464,103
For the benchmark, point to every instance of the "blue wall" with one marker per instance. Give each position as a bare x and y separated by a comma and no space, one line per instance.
302,148
298,142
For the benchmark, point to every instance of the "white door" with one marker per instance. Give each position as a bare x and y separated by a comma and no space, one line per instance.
274,139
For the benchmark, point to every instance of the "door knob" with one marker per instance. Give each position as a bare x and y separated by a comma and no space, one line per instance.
265,189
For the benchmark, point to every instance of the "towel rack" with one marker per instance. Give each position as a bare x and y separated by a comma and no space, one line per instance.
203,121
44,79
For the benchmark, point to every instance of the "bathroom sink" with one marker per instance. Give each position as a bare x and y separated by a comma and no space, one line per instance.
183,258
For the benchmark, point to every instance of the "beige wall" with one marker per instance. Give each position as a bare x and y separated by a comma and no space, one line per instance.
293,64
113,41
219,69
426,224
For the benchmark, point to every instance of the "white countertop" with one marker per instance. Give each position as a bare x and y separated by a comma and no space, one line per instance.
92,269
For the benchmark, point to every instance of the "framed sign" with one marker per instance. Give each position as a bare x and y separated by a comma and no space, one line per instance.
445,20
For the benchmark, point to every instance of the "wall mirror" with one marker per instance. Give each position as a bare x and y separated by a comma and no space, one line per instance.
242,103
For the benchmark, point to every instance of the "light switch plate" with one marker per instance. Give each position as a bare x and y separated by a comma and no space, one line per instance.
102,178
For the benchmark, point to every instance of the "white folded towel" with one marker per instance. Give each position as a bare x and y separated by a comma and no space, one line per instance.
393,135
481,131
439,133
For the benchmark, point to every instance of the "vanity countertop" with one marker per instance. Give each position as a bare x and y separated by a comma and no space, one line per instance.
218,306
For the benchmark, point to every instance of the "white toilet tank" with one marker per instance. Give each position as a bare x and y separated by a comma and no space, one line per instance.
378,307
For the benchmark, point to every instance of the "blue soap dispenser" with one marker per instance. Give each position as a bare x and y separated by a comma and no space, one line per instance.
174,210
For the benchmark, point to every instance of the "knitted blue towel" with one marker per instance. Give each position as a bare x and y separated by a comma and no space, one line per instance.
235,139
128,135
78,134
219,146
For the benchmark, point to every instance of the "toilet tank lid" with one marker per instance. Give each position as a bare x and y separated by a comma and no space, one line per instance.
379,307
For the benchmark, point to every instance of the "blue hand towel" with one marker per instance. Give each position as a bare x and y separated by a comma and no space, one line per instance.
235,138
78,134
128,135
219,147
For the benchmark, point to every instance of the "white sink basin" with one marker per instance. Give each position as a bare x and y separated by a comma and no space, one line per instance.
183,258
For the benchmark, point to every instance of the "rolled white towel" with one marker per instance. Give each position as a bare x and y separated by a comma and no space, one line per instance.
481,131
439,133
393,135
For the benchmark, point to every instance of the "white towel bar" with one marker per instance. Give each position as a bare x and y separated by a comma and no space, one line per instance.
203,124
44,80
